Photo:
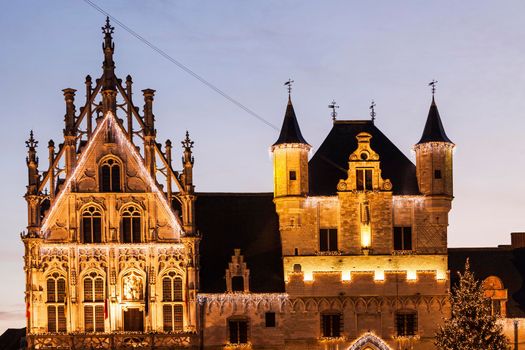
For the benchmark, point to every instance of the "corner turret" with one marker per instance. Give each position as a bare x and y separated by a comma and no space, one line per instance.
290,158
434,153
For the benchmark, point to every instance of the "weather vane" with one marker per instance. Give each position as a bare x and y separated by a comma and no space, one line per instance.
433,84
372,110
288,84
333,106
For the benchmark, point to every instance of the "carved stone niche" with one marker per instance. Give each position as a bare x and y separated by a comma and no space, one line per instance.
237,274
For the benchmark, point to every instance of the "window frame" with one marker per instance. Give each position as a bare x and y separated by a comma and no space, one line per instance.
173,302
132,213
55,309
91,212
110,163
93,303
331,330
242,334
364,179
408,328
330,238
401,235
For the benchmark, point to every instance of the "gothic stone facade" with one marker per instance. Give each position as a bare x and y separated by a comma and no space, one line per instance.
348,252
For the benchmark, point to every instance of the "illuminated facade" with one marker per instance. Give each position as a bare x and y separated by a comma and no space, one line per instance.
348,252
109,263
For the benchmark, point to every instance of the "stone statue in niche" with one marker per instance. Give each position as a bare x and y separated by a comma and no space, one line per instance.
132,287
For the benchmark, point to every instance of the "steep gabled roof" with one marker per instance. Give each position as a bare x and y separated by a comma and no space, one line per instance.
434,131
109,122
290,131
245,221
330,163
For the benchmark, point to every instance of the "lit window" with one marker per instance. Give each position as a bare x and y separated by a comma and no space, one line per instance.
91,225
238,331
172,297
364,179
56,298
402,238
328,240
130,225
110,176
331,325
406,323
94,303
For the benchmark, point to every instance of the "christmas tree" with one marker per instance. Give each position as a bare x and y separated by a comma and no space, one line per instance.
472,324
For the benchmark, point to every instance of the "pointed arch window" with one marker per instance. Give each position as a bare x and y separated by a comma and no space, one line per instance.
56,300
110,171
131,225
91,225
172,298
94,303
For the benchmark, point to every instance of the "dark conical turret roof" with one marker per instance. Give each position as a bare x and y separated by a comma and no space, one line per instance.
290,131
434,131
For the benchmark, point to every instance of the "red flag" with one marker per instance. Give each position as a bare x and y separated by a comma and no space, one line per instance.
28,313
106,308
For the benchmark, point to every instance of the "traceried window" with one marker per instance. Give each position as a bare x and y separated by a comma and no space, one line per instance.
402,238
238,330
328,240
331,325
91,225
406,323
130,225
364,179
56,299
110,175
172,297
93,303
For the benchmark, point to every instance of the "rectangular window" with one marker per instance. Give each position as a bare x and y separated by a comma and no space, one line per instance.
238,331
293,175
172,316
331,325
406,324
402,238
437,174
270,319
364,179
51,319
178,324
167,318
237,284
328,240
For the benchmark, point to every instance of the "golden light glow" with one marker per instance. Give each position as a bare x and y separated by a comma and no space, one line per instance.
308,276
411,275
379,275
346,276
366,236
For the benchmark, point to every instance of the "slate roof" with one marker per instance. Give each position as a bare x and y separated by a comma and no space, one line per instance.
13,339
247,221
330,163
504,262
434,130
290,131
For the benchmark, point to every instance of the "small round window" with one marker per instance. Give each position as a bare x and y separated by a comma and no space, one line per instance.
364,156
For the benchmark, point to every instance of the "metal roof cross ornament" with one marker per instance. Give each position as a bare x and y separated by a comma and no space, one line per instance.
372,111
288,84
333,106
433,84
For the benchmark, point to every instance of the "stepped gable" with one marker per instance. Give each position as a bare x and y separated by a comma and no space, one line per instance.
330,163
247,221
504,262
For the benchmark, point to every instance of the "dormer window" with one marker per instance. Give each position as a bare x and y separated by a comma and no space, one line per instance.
130,226
110,175
237,274
364,179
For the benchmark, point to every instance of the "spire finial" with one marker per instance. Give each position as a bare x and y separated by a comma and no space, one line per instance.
288,84
433,84
372,110
333,106
187,143
31,143
108,29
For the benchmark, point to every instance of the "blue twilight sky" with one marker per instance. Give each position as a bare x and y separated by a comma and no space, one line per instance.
350,51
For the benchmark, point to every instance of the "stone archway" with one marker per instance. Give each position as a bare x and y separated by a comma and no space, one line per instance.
369,341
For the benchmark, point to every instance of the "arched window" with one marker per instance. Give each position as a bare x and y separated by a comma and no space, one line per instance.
91,225
496,293
110,175
56,298
94,303
130,225
172,297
